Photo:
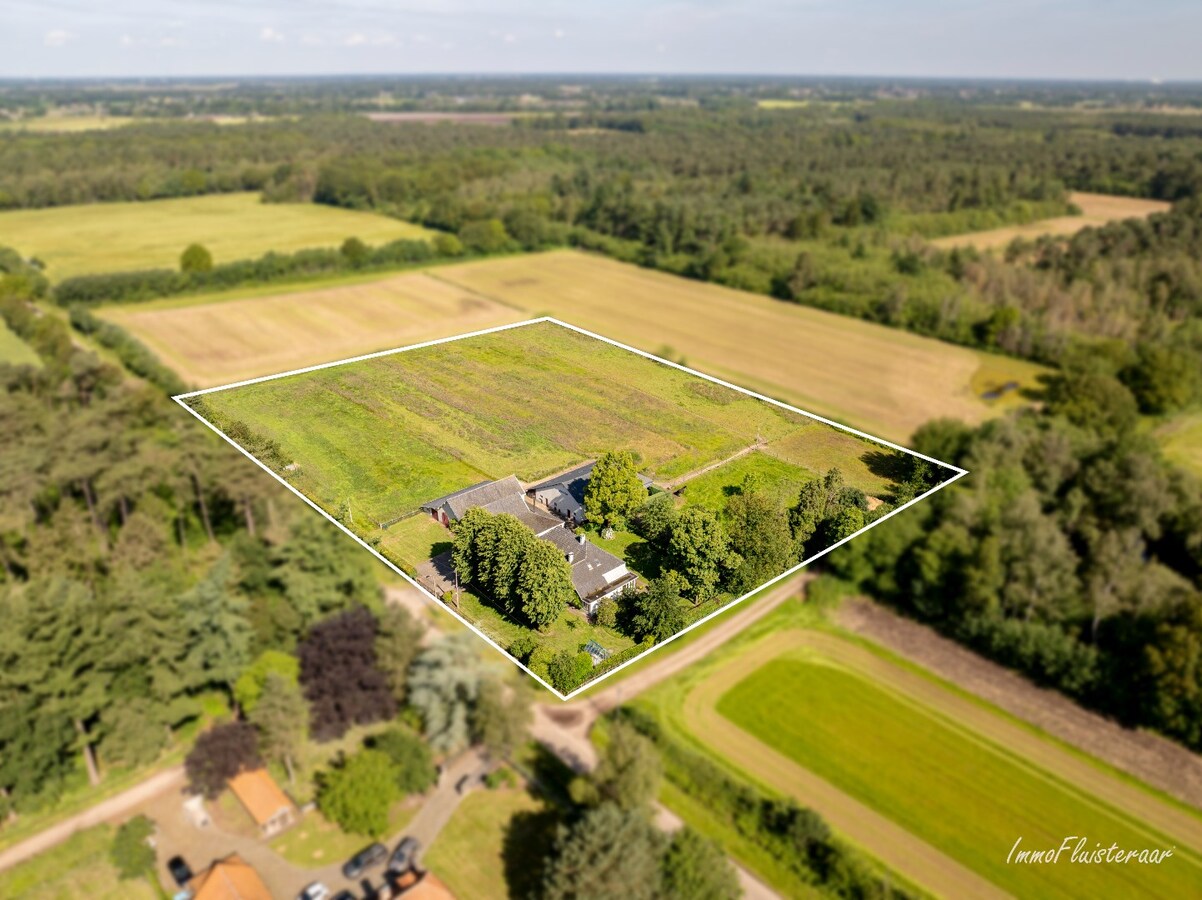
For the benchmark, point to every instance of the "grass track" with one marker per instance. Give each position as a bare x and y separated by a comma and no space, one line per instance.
882,380
79,867
931,742
110,237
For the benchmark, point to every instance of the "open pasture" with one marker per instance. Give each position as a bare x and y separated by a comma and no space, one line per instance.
112,237
214,340
883,380
15,351
963,781
1096,209
388,433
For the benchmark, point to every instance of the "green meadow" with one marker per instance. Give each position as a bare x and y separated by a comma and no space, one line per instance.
386,434
113,237
959,792
15,351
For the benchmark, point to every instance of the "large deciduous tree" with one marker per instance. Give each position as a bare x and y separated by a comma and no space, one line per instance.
281,716
700,551
219,754
359,794
614,491
338,671
698,868
544,584
398,640
444,685
655,612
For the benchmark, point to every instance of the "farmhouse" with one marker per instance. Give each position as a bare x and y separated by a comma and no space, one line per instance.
564,494
596,573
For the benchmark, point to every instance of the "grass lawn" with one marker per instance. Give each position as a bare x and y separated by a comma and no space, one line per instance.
15,351
110,237
494,845
820,449
414,540
1181,438
715,487
314,842
79,867
958,792
571,631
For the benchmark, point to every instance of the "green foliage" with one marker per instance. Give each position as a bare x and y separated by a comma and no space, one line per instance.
219,754
133,354
485,236
629,772
760,535
698,868
567,671
544,584
656,612
397,643
249,686
131,853
281,717
410,757
700,551
444,684
655,518
500,719
606,854
614,491
358,795
607,613
195,258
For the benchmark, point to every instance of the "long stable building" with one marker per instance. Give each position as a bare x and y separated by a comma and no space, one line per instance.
596,573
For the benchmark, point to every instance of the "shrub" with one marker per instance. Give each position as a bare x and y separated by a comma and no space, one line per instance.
196,258
411,757
131,853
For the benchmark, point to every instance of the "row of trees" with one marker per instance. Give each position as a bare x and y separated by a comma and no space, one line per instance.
1071,553
529,579
143,565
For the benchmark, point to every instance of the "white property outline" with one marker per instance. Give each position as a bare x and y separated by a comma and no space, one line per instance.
960,473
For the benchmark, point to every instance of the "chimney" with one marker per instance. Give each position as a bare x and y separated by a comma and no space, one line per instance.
581,539
571,556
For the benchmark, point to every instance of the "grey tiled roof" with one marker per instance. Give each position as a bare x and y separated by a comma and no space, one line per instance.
589,562
575,481
481,494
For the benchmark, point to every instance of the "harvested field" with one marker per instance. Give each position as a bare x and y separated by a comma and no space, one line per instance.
963,781
215,341
1096,209
112,237
388,433
885,381
460,118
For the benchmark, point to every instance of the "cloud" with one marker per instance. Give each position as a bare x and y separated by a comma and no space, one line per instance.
57,37
358,39
270,36
559,34
510,39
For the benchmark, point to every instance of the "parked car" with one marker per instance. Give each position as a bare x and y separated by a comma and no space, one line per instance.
180,871
315,891
365,859
405,855
345,895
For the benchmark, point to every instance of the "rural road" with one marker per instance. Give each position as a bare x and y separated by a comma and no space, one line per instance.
564,728
114,807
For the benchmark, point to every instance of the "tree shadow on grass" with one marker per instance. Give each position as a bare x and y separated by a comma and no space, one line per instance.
441,547
891,465
528,838
646,559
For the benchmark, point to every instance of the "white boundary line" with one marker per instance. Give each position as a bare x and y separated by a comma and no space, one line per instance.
960,473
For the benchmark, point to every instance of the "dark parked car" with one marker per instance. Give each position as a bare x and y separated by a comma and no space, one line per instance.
405,855
344,895
364,860
180,870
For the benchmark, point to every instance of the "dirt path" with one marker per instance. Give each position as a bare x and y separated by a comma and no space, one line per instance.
115,807
1148,757
675,483
892,844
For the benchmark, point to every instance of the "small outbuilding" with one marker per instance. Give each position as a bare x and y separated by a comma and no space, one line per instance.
597,652
231,878
267,804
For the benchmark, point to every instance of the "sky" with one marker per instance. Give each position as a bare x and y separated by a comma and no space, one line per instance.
1078,39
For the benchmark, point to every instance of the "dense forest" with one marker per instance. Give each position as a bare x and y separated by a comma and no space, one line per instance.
1073,552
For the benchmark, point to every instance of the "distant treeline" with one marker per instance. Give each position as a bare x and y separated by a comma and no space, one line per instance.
148,284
